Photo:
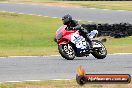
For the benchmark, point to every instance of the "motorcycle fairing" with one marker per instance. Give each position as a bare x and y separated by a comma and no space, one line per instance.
67,38
79,42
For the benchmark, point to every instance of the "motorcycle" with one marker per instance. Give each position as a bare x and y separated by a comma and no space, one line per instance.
71,44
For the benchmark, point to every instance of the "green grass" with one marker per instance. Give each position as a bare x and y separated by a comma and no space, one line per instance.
25,34
3,0
60,84
115,5
33,35
123,45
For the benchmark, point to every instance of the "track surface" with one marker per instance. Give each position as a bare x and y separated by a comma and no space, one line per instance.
46,68
96,15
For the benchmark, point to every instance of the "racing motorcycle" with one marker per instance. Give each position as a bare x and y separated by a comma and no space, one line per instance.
71,44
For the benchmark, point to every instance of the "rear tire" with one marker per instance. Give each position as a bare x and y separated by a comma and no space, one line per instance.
101,52
67,53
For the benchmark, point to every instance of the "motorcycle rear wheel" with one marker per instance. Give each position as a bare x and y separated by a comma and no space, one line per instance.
66,51
101,52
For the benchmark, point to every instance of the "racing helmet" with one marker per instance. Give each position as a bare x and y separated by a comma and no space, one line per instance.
66,19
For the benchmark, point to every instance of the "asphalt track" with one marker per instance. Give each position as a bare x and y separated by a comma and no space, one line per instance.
55,67
87,14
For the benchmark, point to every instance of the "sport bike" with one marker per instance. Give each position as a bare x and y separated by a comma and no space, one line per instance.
71,44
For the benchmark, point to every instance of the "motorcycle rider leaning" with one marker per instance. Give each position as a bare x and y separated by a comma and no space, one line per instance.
73,24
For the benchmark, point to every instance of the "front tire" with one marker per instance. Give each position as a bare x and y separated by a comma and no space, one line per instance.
66,51
101,52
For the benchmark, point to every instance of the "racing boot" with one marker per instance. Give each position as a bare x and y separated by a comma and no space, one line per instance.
86,36
89,41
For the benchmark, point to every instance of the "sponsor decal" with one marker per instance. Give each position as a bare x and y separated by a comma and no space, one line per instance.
83,78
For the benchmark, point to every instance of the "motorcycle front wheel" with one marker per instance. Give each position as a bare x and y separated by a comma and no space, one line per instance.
66,51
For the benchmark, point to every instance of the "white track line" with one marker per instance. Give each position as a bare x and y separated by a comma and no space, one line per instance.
92,8
33,80
107,9
61,79
121,10
11,81
120,54
29,14
39,15
29,56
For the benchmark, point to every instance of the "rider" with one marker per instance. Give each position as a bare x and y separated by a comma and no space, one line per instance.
73,24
